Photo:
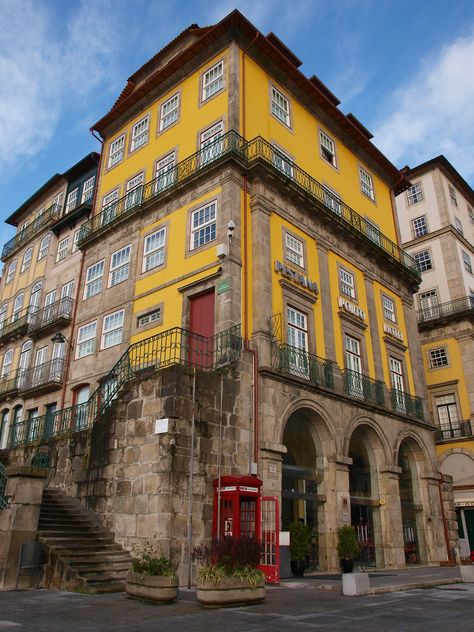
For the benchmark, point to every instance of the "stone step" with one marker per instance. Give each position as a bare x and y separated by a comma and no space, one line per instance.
72,533
105,587
96,558
93,570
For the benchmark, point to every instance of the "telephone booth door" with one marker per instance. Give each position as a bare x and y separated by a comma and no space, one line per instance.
238,512
269,537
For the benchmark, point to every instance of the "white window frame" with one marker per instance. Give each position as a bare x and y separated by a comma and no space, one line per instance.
86,339
327,148
35,296
67,290
297,337
169,112
58,200
116,320
397,381
26,261
467,261
63,249
165,174
458,225
414,194
154,255
332,200
119,265
470,212
18,306
366,183
426,254
205,231
44,247
7,362
88,189
71,202
208,143
438,358
3,314
213,80
11,271
134,191
419,226
280,107
452,194
116,151
388,305
109,206
347,283
93,282
140,133
150,317
283,161
294,250
75,240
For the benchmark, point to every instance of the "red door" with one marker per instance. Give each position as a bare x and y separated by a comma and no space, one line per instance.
270,538
201,324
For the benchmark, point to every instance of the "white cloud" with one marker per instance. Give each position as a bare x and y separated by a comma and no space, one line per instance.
433,113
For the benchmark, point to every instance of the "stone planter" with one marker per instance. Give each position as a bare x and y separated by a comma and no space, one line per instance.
156,588
230,591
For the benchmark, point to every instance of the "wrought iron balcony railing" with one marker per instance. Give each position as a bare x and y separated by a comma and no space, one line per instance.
8,383
363,387
249,154
48,216
15,324
172,347
299,363
456,430
49,373
51,315
445,310
406,404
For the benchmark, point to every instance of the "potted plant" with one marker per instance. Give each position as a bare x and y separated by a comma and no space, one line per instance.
228,574
347,547
153,577
300,546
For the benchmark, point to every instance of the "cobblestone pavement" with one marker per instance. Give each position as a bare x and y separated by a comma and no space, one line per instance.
298,608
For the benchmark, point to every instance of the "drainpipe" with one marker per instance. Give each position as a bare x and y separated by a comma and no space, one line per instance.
219,463
190,485
445,523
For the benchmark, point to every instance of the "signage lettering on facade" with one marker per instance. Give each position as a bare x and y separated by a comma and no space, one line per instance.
248,489
351,308
296,277
392,331
223,286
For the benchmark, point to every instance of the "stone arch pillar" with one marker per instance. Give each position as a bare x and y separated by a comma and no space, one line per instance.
391,516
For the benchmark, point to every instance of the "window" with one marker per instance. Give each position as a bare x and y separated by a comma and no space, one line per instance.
452,195
25,264
25,357
419,226
423,260
458,225
86,340
346,283
332,200
93,283
438,358
372,231
116,151
388,309
203,225
87,189
169,112
470,212
58,200
134,191
355,385
213,81
328,148
75,240
35,296
17,307
366,183
44,247
429,304
297,341
119,266
71,201
3,314
398,386
448,416
165,174
280,107
467,261
112,329
283,161
109,207
154,250
211,147
414,194
294,250
63,247
67,289
7,362
140,133
11,271
81,397
149,317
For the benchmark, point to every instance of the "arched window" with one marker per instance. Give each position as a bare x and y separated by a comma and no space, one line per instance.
17,306
3,315
16,433
35,296
80,399
25,355
44,247
4,428
25,264
7,362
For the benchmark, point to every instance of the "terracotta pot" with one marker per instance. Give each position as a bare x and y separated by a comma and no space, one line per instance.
157,588
230,591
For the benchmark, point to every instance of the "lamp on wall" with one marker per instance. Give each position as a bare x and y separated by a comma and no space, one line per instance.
60,338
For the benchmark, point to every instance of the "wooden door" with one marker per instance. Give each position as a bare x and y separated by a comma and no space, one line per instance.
201,325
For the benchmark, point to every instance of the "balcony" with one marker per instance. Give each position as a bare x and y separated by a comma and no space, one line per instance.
52,316
9,385
46,218
363,387
295,362
42,378
461,307
405,404
17,325
454,431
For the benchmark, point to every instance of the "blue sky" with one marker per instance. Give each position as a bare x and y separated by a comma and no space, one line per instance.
405,68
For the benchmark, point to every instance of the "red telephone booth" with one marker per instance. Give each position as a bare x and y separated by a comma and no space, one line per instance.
243,511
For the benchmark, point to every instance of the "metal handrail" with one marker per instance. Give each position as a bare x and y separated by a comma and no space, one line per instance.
16,321
171,347
406,404
47,373
363,387
9,382
49,314
440,310
47,217
460,429
296,362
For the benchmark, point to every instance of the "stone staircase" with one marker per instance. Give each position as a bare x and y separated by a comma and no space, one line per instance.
80,555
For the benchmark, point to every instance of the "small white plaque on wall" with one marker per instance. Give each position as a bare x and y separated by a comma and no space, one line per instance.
161,425
284,538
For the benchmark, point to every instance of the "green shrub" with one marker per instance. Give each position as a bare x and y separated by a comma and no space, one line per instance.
347,543
300,540
148,562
